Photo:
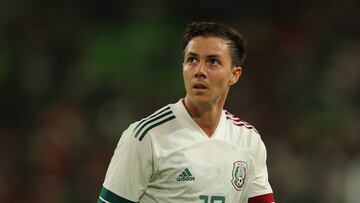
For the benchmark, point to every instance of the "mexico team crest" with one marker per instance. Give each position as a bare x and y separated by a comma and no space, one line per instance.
239,174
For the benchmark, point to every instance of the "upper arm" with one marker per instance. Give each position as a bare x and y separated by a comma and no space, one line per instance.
130,168
260,189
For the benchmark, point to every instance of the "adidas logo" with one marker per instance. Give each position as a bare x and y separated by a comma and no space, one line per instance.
185,176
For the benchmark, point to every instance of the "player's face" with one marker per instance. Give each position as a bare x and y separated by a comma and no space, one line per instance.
207,70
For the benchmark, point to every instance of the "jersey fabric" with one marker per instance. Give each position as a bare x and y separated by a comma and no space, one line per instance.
168,158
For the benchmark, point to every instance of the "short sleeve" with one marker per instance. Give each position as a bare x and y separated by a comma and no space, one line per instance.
130,168
260,187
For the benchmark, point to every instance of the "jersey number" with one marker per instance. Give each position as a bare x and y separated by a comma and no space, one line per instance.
213,199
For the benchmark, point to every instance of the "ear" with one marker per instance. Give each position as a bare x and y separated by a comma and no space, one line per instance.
235,75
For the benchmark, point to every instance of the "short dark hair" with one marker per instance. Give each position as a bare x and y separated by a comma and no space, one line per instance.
235,40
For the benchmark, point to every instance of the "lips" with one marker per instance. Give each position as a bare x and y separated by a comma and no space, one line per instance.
199,87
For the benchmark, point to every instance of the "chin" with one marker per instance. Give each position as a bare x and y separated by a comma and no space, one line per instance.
200,99
204,99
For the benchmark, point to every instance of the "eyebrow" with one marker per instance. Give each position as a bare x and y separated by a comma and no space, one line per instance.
213,56
192,54
208,56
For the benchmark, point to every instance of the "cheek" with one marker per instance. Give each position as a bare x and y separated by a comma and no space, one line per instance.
187,71
223,82
186,76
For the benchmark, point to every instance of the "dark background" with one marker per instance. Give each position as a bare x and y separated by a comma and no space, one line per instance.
75,74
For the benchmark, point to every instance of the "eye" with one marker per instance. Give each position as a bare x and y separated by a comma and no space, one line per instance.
191,59
214,61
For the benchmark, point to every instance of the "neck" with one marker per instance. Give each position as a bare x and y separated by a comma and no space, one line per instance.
206,116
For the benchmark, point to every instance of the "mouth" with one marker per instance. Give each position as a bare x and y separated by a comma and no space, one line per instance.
200,87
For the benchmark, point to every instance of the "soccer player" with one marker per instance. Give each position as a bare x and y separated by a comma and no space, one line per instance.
194,150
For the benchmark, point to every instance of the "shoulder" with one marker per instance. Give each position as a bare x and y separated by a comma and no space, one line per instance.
246,136
241,132
239,123
158,119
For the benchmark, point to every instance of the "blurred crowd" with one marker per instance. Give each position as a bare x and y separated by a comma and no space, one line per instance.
74,75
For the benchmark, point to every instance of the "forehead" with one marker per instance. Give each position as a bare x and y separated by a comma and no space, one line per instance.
204,46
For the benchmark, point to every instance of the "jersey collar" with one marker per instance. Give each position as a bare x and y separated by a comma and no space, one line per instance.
185,119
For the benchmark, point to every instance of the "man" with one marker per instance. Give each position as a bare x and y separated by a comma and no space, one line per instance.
193,150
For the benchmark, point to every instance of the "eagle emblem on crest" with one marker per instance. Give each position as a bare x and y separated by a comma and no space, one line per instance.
239,174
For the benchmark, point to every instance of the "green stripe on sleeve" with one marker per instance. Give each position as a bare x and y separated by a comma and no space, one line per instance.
106,196
154,125
152,120
152,116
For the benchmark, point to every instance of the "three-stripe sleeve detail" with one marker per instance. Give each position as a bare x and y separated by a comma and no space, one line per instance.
158,118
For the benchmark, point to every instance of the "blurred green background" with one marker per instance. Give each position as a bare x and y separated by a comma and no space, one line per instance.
75,74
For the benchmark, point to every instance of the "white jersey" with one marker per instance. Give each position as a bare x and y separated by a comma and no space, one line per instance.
168,158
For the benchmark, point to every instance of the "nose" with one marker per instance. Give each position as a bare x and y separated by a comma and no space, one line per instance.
200,71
